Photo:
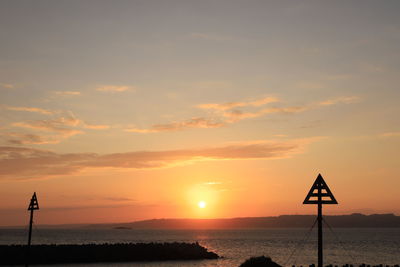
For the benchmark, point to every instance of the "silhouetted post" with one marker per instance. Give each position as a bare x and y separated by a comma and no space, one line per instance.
320,254
33,205
316,196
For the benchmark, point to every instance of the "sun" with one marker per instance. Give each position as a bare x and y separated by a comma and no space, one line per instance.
202,204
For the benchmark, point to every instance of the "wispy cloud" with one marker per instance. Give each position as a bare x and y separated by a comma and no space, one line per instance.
59,124
179,126
280,135
42,163
390,134
68,93
212,183
27,139
231,105
216,186
118,199
55,130
114,88
95,126
7,85
237,115
54,125
340,100
233,112
15,138
31,109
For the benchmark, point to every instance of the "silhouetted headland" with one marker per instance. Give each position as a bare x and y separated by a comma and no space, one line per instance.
261,261
284,221
89,253
351,265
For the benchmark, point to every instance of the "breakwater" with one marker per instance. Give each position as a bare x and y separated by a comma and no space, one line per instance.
87,253
351,265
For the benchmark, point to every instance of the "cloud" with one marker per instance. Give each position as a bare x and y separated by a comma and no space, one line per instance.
55,136
22,162
114,88
59,125
55,130
68,93
237,115
118,199
340,100
229,112
390,134
280,135
230,105
212,183
31,109
96,126
17,138
7,85
196,122
56,125
30,139
227,116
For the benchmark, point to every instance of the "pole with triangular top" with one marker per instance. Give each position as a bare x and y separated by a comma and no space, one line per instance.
33,205
320,194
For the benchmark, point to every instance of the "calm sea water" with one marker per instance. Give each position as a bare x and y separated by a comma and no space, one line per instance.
285,246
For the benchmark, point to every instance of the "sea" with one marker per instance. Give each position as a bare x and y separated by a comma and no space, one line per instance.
287,247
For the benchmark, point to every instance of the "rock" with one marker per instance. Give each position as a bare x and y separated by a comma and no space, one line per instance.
261,261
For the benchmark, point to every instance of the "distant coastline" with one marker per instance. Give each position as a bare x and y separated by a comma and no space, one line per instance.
355,220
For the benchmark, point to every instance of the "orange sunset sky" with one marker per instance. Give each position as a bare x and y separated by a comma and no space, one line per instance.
115,111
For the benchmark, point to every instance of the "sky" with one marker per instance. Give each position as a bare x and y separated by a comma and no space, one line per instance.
116,111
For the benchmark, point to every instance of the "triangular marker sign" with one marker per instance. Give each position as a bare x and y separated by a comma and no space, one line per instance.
34,205
316,194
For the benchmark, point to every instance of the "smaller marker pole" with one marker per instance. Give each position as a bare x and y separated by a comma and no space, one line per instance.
29,239
33,205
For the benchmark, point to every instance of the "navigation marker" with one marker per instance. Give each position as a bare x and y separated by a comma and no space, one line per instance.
320,194
33,205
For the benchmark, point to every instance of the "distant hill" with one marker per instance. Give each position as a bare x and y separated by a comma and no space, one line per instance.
284,221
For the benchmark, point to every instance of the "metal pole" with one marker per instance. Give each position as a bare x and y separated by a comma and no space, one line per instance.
29,239
320,255
316,191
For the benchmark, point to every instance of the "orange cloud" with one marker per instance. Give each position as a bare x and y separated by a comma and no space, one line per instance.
237,115
228,113
114,88
57,130
230,105
31,109
56,125
16,138
20,162
95,126
340,100
179,126
390,134
68,93
7,85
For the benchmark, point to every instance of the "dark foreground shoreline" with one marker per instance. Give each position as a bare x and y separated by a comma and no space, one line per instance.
91,253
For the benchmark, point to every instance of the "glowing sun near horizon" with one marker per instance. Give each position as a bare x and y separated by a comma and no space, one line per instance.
202,204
